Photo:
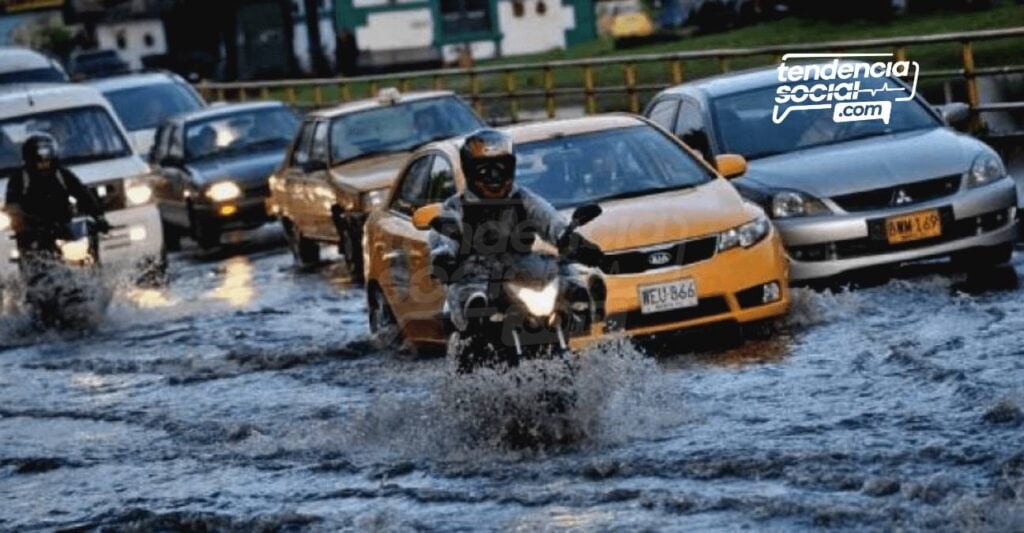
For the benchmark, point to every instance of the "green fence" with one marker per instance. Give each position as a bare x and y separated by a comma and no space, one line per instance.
521,91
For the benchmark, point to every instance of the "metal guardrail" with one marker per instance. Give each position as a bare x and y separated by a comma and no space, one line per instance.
503,81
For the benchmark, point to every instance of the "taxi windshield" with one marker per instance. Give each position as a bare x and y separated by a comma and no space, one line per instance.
83,134
619,163
399,128
141,108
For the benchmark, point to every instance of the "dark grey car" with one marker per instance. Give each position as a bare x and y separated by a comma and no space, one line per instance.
847,196
213,166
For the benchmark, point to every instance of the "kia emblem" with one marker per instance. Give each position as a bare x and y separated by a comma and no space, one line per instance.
659,258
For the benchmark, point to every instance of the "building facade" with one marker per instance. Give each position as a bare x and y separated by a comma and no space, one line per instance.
394,33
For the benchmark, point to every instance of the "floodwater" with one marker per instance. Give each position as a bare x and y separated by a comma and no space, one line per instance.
246,395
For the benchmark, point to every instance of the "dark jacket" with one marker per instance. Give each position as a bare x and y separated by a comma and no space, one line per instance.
37,201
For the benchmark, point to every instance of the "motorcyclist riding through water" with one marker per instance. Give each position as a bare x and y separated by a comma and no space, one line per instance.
497,222
38,201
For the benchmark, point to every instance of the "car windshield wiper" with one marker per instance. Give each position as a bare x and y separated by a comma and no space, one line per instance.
79,159
643,192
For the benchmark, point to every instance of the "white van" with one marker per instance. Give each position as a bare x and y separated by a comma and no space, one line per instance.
94,145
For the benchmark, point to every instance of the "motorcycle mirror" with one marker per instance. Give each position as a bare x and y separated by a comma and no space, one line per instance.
424,217
585,213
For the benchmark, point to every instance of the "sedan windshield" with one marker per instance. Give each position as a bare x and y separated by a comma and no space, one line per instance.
620,163
245,131
83,134
744,122
36,75
399,128
144,108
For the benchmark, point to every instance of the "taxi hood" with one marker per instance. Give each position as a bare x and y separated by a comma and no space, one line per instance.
667,217
370,173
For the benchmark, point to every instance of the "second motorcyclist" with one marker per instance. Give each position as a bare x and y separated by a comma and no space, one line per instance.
39,201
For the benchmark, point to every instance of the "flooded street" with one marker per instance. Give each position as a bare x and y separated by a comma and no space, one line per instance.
247,395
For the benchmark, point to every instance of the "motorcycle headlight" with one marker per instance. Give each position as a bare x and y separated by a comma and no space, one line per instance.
138,191
538,302
5,221
223,191
986,168
375,198
786,204
745,235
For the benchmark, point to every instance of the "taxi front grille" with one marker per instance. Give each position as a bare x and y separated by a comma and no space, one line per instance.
900,195
677,254
708,306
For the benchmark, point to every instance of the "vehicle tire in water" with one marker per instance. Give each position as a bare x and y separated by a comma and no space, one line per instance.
305,251
206,238
352,248
383,325
172,237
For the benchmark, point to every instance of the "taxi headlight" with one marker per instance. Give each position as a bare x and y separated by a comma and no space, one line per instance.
538,302
137,191
375,198
745,235
786,204
5,221
986,168
223,191
75,251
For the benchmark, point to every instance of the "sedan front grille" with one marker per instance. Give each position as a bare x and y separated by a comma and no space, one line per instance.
677,254
900,195
877,243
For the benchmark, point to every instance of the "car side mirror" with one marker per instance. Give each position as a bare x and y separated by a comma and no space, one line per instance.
955,114
585,213
422,217
730,165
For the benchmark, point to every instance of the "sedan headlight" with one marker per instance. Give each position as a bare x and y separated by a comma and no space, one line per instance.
138,191
5,221
746,235
986,168
375,198
786,204
538,302
223,191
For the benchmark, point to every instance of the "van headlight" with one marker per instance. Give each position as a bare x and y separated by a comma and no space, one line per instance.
745,235
786,204
5,221
538,302
986,169
375,198
223,191
138,191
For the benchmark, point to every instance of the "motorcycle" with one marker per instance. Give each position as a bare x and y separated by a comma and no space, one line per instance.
62,275
528,309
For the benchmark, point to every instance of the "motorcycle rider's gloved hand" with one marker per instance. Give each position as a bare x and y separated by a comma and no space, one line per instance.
584,251
102,225
442,266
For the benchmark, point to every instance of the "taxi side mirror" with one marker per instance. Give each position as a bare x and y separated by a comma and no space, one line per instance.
730,165
422,217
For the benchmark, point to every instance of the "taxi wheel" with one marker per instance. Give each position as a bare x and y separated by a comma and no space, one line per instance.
383,325
305,251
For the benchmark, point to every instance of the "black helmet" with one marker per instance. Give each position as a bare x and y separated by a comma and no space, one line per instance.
39,152
489,163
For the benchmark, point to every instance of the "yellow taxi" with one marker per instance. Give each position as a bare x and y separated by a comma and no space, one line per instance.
682,247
